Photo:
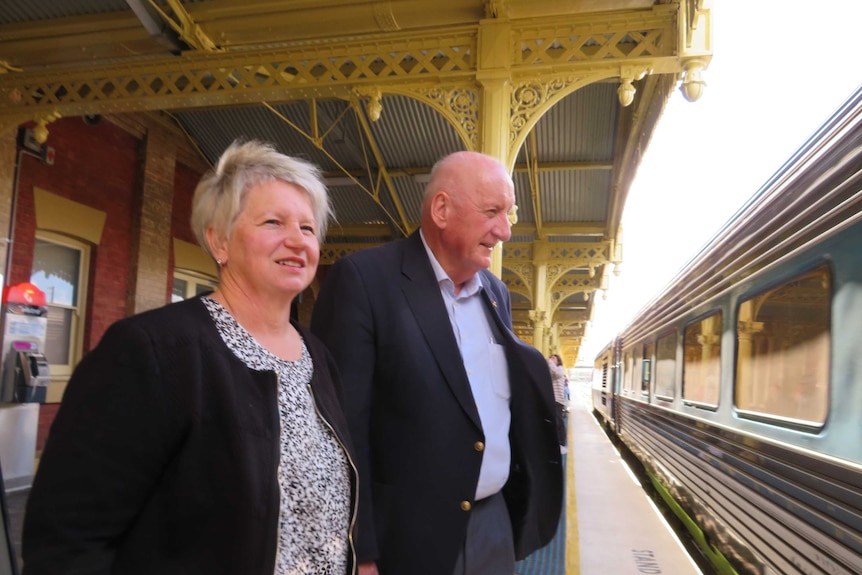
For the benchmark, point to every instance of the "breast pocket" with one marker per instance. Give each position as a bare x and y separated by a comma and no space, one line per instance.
499,370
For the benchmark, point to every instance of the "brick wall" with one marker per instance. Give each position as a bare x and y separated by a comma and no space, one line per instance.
185,181
146,197
95,166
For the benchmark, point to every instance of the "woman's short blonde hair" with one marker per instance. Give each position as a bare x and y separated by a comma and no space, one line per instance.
220,195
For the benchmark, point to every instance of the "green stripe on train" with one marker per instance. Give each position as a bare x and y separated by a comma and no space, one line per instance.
715,557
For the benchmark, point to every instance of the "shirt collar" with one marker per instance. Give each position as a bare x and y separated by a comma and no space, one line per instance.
471,286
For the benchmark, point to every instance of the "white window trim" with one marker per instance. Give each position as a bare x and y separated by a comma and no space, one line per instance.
192,279
60,373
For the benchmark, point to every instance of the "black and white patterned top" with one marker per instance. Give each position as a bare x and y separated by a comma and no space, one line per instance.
313,470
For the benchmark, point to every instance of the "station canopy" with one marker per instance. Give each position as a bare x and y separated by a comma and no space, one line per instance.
565,92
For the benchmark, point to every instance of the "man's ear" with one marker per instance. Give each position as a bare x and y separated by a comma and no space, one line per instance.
441,205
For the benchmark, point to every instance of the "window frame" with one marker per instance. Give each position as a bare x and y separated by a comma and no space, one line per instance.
673,332
715,312
775,284
647,353
193,279
60,373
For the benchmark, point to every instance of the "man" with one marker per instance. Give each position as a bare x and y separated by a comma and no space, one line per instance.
451,415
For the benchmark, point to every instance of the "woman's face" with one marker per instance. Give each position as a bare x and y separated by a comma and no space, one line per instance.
273,250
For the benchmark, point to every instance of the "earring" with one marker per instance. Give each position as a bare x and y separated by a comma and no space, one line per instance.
219,262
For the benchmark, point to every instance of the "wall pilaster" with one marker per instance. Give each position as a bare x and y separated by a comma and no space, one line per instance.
151,220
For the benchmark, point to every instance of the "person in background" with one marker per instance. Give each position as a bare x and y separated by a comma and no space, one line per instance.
559,380
452,415
208,436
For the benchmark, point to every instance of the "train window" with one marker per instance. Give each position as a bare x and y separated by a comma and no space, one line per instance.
646,368
783,349
627,373
701,368
665,368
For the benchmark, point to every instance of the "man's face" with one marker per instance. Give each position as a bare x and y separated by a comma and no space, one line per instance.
479,221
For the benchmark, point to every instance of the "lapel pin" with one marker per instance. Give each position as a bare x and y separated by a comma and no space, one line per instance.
494,303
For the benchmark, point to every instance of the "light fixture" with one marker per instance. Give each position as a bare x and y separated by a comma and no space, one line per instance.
626,93
692,84
629,74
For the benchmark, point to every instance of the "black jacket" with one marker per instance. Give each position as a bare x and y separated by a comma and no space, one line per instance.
413,420
163,456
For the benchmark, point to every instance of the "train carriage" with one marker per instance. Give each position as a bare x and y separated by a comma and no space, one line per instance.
739,388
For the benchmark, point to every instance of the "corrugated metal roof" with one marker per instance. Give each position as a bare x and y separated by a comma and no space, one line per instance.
580,128
352,205
431,135
16,11
575,195
576,131
216,128
522,197
410,193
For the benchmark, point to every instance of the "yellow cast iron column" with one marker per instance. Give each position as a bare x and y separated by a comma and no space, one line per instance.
541,299
494,75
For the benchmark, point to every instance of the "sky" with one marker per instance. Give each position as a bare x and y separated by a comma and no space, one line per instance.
778,71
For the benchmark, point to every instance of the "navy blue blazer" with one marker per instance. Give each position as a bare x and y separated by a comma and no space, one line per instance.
412,418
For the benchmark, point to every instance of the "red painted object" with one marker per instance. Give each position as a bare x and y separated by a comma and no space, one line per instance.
24,293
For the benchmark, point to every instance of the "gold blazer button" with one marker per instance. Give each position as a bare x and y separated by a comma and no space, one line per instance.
466,506
479,446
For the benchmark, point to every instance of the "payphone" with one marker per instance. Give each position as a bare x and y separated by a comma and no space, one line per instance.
25,374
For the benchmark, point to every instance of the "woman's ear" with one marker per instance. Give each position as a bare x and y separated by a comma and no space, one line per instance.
217,245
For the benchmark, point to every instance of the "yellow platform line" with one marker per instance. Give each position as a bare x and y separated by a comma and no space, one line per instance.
573,550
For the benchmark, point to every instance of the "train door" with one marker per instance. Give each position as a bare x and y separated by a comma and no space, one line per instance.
616,384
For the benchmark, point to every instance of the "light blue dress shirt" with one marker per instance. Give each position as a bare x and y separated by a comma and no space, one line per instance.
485,362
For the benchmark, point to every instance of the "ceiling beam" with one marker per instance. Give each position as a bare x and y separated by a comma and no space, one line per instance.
519,168
535,189
372,230
563,166
596,229
184,25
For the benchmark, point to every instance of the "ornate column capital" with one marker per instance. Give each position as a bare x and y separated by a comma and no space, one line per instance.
538,315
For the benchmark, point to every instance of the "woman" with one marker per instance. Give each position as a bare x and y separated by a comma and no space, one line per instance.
208,436
558,378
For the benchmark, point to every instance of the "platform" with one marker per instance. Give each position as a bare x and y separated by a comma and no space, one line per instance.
619,531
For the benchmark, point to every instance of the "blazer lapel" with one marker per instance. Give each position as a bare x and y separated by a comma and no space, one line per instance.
422,292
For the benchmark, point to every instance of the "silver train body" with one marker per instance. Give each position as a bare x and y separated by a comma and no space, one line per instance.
739,388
